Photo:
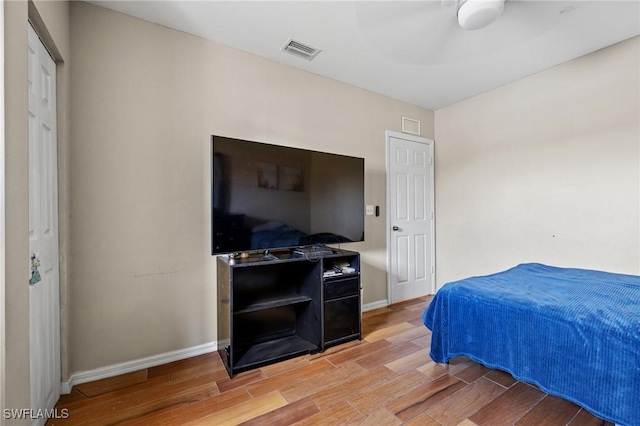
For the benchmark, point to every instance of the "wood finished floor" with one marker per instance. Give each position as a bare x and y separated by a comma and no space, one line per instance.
385,379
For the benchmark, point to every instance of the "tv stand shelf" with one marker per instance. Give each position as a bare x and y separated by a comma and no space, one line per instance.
273,351
274,309
274,302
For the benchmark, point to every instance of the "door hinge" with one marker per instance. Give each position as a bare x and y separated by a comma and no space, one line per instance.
431,161
433,269
431,215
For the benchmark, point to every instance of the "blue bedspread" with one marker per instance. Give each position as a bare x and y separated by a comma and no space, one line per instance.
574,333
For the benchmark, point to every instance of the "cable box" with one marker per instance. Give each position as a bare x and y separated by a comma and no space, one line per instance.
312,251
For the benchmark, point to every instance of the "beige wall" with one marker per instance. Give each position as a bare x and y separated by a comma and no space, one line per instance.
543,170
145,102
51,20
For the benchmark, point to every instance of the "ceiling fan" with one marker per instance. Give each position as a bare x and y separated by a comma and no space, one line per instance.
434,32
476,14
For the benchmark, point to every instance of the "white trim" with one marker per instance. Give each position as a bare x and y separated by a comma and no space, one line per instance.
135,365
389,134
3,346
375,305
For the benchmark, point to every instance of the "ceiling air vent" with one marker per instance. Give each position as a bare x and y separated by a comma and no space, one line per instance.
300,49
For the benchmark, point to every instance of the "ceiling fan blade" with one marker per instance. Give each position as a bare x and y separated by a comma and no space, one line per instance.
427,33
409,32
448,4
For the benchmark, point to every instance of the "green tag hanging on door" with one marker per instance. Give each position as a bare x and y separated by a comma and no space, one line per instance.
35,274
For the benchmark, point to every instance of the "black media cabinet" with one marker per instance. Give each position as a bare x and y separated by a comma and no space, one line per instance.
281,305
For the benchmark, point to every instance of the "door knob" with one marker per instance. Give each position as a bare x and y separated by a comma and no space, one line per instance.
395,228
35,274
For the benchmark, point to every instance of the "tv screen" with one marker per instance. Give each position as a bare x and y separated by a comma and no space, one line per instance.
268,196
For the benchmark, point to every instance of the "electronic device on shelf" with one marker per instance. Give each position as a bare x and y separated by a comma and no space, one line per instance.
312,251
338,269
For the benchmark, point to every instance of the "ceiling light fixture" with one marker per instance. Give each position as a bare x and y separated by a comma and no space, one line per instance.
476,14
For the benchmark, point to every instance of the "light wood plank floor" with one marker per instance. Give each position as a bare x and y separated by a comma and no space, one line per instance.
385,379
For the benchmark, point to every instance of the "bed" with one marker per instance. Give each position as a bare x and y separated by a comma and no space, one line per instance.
574,333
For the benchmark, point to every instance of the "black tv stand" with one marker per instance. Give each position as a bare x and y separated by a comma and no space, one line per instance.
271,308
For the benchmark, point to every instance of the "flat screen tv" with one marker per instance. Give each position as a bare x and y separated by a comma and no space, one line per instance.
268,197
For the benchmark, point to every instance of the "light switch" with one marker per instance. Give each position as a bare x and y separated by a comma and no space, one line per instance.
369,210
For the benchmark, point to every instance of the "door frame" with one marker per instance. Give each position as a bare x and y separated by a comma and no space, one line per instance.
35,25
2,219
388,135
62,135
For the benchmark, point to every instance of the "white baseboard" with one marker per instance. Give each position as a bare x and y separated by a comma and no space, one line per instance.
135,365
375,305
152,361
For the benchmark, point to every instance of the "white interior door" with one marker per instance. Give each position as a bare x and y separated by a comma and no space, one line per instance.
44,304
410,216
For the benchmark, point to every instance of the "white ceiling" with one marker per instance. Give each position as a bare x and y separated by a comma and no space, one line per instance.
411,51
